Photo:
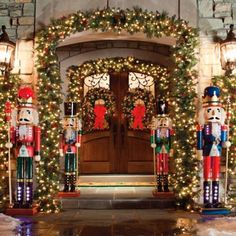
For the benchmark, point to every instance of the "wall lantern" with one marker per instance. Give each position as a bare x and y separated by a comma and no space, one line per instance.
228,52
7,49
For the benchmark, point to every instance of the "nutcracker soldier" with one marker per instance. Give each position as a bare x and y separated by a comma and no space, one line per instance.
211,137
70,142
161,133
25,137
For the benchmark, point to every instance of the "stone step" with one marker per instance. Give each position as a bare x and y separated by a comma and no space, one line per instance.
116,180
117,198
117,203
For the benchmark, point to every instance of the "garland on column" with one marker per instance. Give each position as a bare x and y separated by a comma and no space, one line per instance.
8,91
152,24
227,84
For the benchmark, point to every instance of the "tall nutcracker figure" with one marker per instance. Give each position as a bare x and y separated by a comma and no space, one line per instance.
211,137
70,142
25,137
161,133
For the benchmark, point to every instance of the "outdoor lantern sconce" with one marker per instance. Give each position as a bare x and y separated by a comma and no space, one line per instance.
7,49
228,52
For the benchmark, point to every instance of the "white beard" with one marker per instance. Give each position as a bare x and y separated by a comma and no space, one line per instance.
22,130
216,130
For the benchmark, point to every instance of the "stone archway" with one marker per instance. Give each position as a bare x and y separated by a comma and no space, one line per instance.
132,21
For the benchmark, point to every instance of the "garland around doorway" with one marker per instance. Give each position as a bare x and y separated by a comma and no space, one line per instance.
152,24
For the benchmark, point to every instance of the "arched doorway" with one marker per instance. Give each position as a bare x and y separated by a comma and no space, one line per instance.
120,147
151,24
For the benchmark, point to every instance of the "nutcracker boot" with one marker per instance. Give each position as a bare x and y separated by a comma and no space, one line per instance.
29,194
159,183
72,182
206,194
165,183
19,194
215,194
67,182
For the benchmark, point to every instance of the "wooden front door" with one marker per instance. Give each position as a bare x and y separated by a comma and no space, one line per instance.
119,150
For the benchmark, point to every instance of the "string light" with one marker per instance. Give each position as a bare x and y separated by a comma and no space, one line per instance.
8,91
178,87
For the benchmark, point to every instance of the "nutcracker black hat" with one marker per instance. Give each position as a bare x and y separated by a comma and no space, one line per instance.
70,109
211,96
162,107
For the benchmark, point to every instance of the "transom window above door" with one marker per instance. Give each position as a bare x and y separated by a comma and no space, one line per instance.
135,80
138,80
96,81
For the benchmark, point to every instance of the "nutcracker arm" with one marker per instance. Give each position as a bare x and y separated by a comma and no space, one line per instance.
152,138
37,140
199,137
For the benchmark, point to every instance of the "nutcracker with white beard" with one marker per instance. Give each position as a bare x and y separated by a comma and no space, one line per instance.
25,136
70,142
211,137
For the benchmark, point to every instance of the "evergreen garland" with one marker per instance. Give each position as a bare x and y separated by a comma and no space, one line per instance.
128,105
88,105
153,24
227,85
8,91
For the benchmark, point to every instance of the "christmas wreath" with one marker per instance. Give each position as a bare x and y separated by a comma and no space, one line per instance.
128,106
101,96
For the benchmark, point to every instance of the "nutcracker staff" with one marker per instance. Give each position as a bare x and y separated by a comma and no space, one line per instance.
70,142
211,137
161,132
25,137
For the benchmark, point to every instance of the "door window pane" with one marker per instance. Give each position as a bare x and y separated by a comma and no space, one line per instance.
96,81
138,80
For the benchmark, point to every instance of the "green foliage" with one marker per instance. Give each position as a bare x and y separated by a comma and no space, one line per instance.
182,94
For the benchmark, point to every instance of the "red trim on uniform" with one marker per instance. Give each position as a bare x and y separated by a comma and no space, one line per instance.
215,168
37,138
198,127
207,168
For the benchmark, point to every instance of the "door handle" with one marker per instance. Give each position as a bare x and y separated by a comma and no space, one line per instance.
122,132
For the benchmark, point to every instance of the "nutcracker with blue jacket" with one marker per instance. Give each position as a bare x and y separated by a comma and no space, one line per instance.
211,137
71,141
161,132
25,136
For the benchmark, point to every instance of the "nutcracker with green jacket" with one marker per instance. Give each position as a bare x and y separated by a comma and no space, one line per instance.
25,137
70,143
161,132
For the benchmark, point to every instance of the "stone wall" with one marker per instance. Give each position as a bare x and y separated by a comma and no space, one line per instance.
19,18
215,17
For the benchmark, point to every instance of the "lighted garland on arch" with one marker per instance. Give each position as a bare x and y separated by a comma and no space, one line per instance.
153,24
227,85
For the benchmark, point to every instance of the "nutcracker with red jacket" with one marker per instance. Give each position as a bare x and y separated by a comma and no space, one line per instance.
211,137
70,142
161,133
25,137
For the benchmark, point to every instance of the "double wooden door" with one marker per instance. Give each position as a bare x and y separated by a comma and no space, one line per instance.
118,150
